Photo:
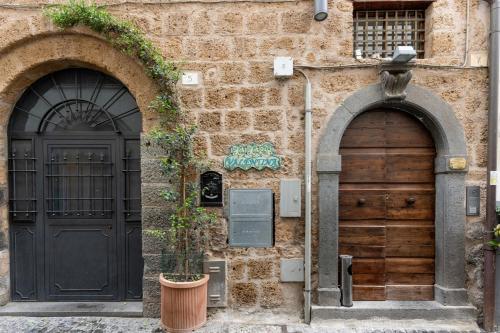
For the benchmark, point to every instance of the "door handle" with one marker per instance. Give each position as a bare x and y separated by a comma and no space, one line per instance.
410,201
361,201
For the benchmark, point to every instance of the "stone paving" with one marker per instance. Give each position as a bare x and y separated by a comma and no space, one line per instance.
151,325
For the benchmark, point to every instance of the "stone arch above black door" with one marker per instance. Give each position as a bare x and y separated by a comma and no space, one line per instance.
448,135
74,183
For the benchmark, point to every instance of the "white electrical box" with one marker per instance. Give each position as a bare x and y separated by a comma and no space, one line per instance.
283,67
190,78
290,198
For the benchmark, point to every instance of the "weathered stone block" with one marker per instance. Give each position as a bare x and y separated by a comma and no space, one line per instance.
229,22
232,73
152,264
260,72
190,98
212,49
274,97
245,47
296,22
237,120
210,121
151,194
266,23
271,294
151,309
176,24
252,97
151,171
156,217
202,24
219,144
268,120
260,269
244,293
220,98
237,269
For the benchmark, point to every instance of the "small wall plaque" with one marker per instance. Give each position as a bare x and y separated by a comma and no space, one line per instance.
252,155
457,163
211,189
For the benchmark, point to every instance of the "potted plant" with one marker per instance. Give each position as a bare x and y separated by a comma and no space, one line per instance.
183,284
495,243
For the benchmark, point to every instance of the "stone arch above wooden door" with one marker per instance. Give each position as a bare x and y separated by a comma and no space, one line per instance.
439,118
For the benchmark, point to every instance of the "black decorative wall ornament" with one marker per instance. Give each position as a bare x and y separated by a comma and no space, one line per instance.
211,189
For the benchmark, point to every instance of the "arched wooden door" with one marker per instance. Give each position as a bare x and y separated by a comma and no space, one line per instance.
74,181
386,206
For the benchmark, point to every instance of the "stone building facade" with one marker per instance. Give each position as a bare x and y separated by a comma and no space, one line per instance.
231,45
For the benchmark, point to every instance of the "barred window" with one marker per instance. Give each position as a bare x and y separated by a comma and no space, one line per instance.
380,31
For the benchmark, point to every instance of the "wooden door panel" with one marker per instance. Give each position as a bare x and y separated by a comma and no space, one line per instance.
398,136
398,206
363,168
409,168
368,279
411,279
418,251
364,137
363,251
356,235
368,266
350,207
409,293
409,265
408,235
368,293
386,206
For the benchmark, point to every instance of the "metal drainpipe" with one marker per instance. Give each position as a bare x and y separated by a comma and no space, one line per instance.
494,73
308,201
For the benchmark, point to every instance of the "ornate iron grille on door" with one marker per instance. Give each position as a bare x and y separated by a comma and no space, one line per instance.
74,172
79,183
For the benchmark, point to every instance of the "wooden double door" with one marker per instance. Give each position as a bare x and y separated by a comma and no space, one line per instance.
386,206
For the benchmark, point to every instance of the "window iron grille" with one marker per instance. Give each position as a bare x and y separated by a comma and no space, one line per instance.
79,184
379,32
22,172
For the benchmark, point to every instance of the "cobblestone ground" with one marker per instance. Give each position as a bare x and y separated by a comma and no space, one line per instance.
139,325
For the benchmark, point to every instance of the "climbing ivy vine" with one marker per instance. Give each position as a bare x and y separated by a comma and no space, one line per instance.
186,237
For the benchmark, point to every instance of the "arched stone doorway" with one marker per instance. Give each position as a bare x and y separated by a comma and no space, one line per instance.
439,119
74,190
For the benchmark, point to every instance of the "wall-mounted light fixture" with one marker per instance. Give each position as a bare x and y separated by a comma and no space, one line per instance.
320,10
403,54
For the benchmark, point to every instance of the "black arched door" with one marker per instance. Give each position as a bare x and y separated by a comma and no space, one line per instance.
74,169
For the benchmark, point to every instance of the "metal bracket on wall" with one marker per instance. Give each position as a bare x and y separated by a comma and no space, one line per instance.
217,282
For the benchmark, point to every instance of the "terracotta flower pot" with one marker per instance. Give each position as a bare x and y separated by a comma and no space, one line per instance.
183,304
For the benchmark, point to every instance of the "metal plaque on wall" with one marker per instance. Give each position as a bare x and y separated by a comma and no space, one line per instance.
251,218
211,189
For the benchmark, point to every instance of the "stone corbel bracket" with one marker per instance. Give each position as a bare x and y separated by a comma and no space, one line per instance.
395,79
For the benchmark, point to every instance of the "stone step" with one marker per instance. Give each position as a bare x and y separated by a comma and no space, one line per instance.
384,316
429,310
69,309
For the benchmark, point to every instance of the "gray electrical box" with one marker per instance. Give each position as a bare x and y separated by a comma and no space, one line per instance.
290,198
217,282
473,200
292,270
251,218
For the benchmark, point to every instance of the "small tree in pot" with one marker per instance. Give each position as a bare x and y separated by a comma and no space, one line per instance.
184,286
184,294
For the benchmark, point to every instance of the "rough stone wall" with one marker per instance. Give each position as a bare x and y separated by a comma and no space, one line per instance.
231,45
